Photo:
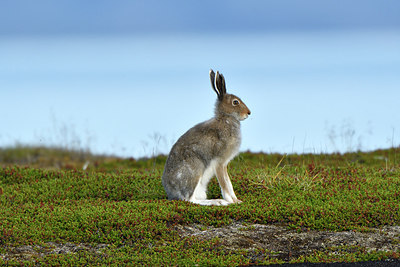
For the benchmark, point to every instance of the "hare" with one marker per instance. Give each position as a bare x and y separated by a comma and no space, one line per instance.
205,150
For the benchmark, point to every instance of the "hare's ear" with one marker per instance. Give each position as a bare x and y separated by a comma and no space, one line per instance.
212,80
220,85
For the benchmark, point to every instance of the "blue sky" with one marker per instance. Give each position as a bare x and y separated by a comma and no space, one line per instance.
129,77
125,16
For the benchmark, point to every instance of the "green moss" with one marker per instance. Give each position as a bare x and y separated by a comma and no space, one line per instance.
123,204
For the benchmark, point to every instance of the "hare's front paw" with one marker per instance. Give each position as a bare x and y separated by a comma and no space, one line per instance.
237,201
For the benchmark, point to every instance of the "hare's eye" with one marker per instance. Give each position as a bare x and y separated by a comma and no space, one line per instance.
235,102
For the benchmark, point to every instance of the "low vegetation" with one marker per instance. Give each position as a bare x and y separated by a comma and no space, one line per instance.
115,211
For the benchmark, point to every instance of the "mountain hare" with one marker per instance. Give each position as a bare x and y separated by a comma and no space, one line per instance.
205,150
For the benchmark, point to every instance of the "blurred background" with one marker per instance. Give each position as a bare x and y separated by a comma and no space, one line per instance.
127,78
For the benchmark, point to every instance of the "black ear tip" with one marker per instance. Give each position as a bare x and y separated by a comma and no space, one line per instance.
220,76
212,75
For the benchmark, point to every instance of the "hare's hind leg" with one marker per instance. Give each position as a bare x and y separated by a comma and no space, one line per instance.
199,195
210,202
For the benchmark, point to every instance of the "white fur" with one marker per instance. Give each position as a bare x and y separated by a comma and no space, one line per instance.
230,195
212,202
200,192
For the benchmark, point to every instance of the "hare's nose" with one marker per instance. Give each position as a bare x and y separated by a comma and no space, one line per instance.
248,113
